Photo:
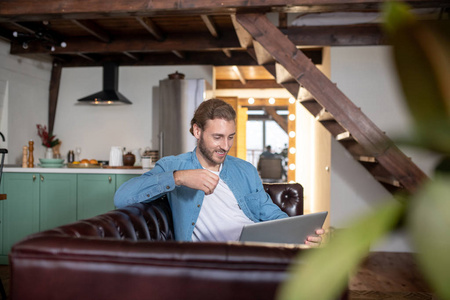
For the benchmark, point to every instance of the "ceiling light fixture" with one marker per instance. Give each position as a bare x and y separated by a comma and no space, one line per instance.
43,36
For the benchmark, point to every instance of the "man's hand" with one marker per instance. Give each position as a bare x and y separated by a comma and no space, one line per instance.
314,241
199,179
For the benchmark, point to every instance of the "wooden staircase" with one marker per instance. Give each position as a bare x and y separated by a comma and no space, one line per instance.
346,122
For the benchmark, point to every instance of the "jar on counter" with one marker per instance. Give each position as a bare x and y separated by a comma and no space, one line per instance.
70,156
129,159
49,153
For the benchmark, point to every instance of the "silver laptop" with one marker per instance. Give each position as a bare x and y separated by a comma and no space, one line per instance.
293,230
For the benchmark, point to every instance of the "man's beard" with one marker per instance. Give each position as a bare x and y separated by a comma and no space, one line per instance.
208,155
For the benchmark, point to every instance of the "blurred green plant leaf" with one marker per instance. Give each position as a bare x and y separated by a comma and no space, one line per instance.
323,273
421,54
433,135
429,222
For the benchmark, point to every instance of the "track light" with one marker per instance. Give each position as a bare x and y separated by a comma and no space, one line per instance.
46,38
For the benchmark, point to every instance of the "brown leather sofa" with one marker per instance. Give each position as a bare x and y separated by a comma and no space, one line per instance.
130,253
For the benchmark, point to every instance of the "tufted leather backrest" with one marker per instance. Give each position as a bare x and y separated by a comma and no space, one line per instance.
288,196
153,221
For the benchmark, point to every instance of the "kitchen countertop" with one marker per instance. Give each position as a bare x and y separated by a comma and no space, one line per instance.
65,169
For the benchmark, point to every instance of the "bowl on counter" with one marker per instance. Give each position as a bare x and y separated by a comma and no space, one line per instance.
52,161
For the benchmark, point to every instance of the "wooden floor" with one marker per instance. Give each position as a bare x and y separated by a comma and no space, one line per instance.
384,275
389,275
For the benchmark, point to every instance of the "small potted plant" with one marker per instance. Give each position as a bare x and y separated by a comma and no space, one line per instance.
49,141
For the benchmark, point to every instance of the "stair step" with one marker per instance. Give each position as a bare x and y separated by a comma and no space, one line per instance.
364,158
283,75
305,95
308,99
262,56
388,180
324,115
292,87
345,136
312,106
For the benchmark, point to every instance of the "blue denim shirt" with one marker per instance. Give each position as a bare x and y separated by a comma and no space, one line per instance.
240,176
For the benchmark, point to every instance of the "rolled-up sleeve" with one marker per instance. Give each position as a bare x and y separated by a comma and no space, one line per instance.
148,187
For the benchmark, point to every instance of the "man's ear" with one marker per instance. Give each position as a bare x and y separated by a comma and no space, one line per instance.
197,131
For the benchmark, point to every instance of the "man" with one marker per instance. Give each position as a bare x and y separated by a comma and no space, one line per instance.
212,195
267,152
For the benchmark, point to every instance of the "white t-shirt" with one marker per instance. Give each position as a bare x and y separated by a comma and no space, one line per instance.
221,218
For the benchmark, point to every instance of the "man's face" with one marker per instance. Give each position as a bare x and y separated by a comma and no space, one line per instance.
214,142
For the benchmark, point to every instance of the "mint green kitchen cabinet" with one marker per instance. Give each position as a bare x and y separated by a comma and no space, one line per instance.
20,209
95,194
58,200
1,224
40,201
122,178
35,202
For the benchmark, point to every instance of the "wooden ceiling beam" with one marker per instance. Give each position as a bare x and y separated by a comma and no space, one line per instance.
227,52
25,10
24,28
210,25
130,55
87,57
151,27
251,84
277,118
180,42
239,74
159,59
179,54
343,35
93,29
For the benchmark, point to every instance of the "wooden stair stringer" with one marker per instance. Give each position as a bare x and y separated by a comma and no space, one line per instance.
359,126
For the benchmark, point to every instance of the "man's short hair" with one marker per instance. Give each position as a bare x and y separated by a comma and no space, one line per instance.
212,109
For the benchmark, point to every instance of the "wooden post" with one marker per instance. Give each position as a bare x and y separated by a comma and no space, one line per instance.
55,81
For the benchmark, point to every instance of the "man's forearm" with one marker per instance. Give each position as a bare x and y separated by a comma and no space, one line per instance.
144,188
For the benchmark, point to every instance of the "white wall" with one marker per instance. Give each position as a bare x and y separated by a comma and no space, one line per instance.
367,77
27,83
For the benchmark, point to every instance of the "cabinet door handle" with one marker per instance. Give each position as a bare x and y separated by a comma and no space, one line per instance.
109,179
34,178
42,178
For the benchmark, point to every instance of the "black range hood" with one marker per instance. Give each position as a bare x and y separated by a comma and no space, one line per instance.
110,94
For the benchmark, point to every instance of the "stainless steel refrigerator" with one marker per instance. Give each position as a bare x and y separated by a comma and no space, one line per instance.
178,100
